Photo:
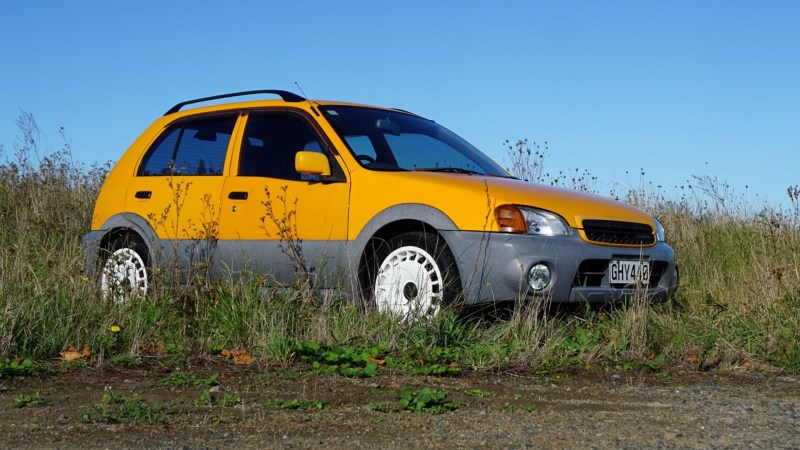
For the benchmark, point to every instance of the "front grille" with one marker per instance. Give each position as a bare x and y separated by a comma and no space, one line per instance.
593,273
620,233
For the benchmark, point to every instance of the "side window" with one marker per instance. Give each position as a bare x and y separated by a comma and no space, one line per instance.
270,144
190,148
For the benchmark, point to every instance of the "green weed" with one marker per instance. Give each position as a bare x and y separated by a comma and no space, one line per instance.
427,400
347,361
306,405
73,366
227,400
205,398
479,393
522,407
114,408
440,361
664,375
25,400
180,378
225,419
126,361
385,407
12,368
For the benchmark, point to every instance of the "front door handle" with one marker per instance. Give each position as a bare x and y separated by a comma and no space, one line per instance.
143,194
238,195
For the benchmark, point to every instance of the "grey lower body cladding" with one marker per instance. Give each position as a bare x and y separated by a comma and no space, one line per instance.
492,266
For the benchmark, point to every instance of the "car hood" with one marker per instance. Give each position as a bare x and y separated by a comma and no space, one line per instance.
573,206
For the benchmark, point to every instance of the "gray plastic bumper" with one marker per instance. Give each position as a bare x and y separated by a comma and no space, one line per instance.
494,267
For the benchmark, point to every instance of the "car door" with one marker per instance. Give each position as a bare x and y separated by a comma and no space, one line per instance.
274,220
177,186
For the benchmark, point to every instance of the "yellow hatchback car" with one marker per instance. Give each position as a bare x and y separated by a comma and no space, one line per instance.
389,206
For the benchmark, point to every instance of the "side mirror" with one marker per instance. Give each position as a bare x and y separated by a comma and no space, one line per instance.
312,163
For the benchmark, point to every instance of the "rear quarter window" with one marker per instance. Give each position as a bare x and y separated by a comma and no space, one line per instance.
194,148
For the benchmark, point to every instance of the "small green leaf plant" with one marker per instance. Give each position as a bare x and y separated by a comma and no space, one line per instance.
427,400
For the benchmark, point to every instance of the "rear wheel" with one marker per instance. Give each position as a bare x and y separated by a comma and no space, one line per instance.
413,276
125,272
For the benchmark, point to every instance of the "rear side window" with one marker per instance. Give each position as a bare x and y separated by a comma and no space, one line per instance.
194,147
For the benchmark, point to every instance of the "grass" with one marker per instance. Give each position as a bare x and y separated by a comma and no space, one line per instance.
738,303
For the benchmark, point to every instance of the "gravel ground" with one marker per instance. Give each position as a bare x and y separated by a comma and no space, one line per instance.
679,408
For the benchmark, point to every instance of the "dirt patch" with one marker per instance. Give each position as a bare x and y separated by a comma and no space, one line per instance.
219,406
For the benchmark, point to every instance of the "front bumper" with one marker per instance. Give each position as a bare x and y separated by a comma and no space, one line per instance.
494,267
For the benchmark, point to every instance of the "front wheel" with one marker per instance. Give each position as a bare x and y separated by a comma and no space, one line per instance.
125,271
413,276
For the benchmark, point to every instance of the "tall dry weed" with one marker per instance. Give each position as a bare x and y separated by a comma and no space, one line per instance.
46,199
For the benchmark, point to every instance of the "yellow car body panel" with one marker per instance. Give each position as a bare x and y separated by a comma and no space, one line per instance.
469,200
312,211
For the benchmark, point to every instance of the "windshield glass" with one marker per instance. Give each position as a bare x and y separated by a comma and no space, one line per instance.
393,140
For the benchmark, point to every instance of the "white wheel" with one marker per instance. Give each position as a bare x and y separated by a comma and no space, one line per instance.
408,284
124,276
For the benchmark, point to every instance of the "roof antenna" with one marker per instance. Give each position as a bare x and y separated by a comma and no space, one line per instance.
301,89
306,97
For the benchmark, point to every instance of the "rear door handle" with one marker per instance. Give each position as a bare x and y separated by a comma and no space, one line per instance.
238,195
143,194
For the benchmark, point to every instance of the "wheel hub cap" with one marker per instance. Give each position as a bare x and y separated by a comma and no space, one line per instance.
408,284
124,276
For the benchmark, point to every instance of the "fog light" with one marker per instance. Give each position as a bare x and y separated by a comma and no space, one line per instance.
539,277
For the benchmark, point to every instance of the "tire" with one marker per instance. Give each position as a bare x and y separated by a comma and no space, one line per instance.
125,273
412,276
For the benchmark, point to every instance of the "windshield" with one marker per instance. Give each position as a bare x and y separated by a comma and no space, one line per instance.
393,140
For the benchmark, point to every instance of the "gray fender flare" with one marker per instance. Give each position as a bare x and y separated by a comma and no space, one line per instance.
135,223
418,212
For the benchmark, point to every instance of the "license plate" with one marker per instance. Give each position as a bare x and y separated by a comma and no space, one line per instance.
622,272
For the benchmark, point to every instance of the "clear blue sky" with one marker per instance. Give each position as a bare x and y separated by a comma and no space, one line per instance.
679,88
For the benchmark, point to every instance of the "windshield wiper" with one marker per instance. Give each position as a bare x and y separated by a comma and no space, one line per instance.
449,170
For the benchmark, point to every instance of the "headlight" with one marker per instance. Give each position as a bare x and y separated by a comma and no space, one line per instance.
660,237
523,219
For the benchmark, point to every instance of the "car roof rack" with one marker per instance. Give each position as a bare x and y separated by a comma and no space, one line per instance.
285,95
